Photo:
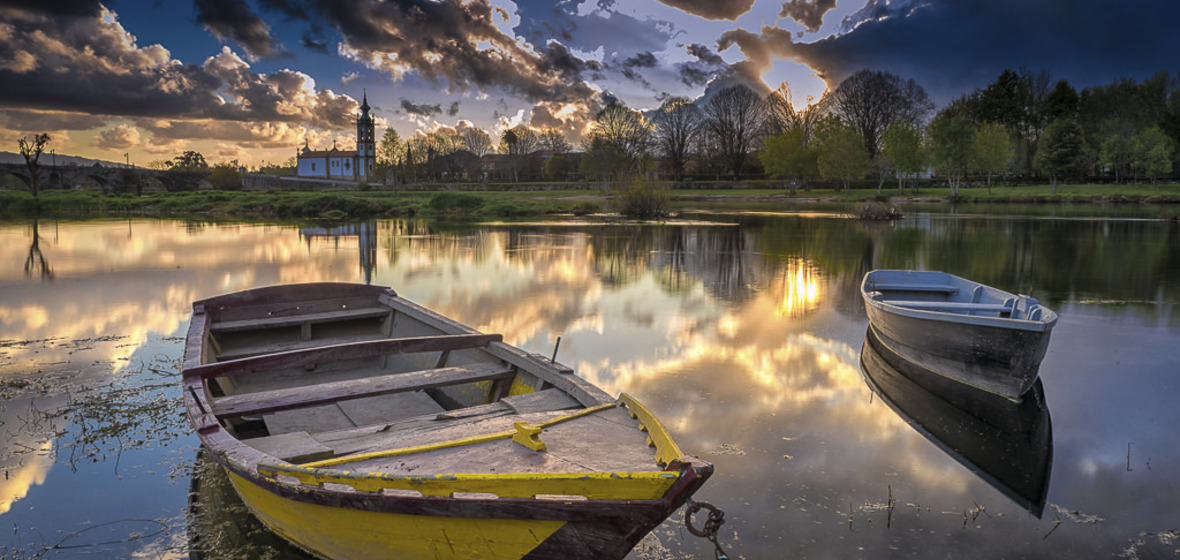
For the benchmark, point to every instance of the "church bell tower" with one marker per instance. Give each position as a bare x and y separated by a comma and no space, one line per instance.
366,145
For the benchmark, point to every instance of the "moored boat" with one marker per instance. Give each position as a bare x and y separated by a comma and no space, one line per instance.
1008,445
357,424
974,334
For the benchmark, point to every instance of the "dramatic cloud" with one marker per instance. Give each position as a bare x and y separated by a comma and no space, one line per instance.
454,109
122,137
712,9
810,13
233,19
423,110
706,66
92,65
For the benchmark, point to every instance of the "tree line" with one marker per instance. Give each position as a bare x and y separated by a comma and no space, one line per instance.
1021,126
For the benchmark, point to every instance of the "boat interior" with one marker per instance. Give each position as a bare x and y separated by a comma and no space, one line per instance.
383,385
943,293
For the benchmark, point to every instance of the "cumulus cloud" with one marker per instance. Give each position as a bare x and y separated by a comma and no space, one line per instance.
90,64
233,19
810,13
122,137
712,9
706,66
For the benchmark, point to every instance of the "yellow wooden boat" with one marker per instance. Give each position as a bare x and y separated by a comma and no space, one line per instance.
357,424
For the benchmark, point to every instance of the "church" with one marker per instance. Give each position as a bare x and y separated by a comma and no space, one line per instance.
347,165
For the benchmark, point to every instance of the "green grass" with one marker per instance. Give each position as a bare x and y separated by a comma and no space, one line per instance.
473,205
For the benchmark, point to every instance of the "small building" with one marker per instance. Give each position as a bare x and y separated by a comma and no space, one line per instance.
349,165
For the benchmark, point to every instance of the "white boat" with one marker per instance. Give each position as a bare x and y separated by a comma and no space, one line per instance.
963,330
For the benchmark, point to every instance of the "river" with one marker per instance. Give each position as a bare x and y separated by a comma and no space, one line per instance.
743,332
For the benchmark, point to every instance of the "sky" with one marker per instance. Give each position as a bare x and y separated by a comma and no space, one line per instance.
142,81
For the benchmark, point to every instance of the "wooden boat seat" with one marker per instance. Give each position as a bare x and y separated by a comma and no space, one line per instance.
330,392
952,306
300,320
940,288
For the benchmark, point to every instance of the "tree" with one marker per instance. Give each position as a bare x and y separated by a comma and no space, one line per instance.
787,156
626,128
870,100
952,136
226,176
992,150
733,120
842,152
902,149
189,161
553,140
677,122
1152,152
1060,153
1116,153
476,140
31,150
1062,102
518,143
602,159
390,148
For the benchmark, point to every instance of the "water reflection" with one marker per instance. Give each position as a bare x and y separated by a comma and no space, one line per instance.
746,339
221,527
36,261
1009,445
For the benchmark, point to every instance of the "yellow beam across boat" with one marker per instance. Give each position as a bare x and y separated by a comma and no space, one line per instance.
504,434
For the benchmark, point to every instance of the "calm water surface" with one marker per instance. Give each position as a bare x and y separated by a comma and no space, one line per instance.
743,332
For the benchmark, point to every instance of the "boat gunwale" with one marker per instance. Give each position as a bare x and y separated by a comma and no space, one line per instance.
1043,325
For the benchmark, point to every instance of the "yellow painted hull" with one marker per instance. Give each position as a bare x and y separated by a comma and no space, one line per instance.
345,534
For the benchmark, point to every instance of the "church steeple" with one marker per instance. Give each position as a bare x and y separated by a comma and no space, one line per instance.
366,142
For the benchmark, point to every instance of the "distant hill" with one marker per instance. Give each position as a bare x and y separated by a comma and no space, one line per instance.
48,159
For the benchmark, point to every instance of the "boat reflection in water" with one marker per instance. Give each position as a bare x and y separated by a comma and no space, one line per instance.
1009,445
221,527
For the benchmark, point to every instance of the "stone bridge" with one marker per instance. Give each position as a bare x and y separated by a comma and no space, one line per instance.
111,180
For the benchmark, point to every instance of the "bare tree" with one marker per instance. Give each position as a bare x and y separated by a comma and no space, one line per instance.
677,123
871,100
781,114
476,140
553,140
31,150
733,120
625,128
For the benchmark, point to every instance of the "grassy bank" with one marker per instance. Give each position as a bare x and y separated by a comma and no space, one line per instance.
520,204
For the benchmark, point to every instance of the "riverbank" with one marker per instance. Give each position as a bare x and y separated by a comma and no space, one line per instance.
532,204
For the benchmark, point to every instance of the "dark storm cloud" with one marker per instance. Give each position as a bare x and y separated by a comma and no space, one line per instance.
233,19
92,65
712,9
810,13
424,109
952,47
312,43
453,109
700,71
56,7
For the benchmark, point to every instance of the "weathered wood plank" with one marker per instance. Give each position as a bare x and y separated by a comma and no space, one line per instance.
294,397
293,447
306,318
344,351
389,408
307,419
548,399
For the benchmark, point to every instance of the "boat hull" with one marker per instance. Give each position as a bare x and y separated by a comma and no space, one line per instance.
995,359
345,525
974,343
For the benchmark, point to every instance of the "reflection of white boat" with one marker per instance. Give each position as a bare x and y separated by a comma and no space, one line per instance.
972,333
1009,445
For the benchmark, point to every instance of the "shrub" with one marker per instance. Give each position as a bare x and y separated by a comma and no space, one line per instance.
455,203
642,200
